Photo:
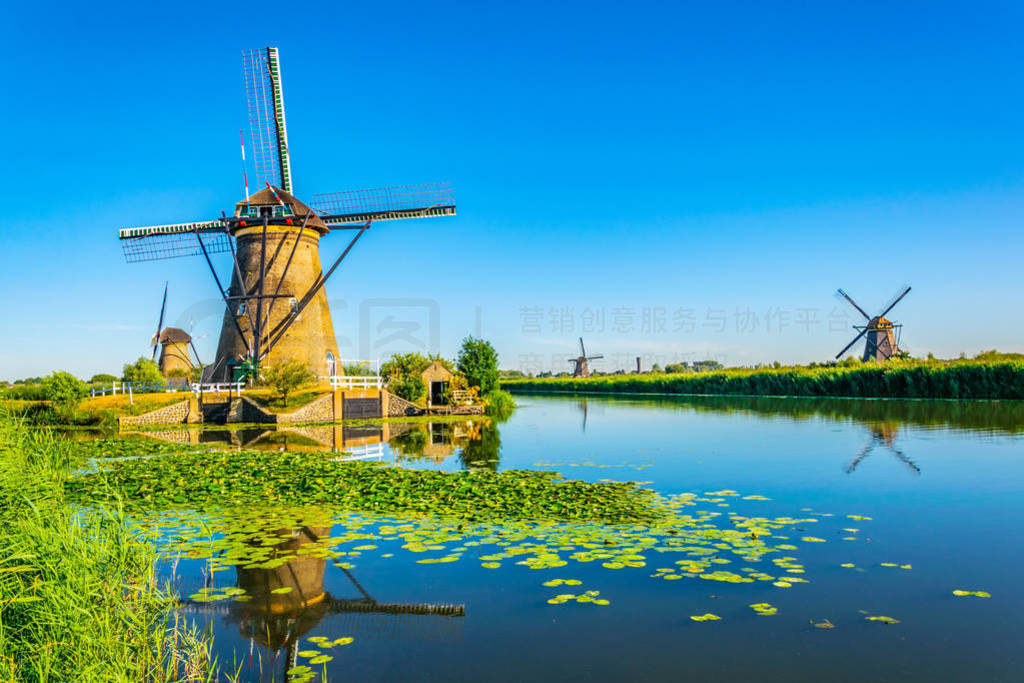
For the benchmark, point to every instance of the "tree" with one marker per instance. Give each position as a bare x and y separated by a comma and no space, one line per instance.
478,362
403,364
102,378
706,365
144,371
286,377
64,391
677,368
410,387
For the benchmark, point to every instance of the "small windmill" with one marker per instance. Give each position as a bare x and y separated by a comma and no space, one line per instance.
174,345
275,305
581,367
881,343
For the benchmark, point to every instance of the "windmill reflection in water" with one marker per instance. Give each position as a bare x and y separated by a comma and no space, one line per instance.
277,621
883,434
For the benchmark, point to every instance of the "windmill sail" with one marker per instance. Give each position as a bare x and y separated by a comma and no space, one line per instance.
385,204
268,132
154,242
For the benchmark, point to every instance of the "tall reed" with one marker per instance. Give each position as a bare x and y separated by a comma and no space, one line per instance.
78,595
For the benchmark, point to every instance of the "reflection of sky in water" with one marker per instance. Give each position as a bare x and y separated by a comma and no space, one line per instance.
955,522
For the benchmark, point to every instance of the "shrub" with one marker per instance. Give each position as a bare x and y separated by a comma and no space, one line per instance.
64,391
410,387
143,371
102,378
499,404
478,362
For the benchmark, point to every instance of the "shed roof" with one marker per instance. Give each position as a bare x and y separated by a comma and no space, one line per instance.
436,372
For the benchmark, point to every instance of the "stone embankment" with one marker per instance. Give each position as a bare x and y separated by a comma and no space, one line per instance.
335,406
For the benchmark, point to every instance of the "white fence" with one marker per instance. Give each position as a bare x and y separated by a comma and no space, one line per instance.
355,382
341,381
217,388
133,387
373,451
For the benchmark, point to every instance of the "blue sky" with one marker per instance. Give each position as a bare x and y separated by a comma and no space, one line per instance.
674,180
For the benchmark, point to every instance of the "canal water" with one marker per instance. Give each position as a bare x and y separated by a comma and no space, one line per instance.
849,523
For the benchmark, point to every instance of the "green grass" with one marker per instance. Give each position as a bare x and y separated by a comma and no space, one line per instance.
967,379
269,400
78,599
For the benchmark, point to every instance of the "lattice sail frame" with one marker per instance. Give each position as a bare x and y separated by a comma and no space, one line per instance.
156,242
385,203
268,132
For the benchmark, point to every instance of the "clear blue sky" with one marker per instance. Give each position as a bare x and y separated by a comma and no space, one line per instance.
682,169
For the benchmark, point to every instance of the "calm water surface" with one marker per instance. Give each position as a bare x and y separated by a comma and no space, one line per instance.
941,482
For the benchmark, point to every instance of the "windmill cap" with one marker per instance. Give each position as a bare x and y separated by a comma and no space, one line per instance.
174,335
267,197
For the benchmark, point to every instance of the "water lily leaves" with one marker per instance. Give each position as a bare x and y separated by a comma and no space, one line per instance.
706,617
859,518
283,590
812,539
959,592
309,653
490,565
554,582
299,670
347,640
848,565
763,608
883,619
321,659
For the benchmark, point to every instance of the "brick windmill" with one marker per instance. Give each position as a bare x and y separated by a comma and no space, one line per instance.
581,368
881,342
275,305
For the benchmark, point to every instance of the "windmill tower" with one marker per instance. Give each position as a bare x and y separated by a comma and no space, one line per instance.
880,332
580,363
275,305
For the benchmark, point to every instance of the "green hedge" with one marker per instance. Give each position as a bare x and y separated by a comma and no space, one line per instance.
957,379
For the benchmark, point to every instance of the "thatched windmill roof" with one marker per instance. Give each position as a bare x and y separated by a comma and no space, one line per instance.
174,335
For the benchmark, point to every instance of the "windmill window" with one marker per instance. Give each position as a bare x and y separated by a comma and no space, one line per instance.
293,303
241,310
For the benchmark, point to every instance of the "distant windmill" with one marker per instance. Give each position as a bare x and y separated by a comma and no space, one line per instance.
881,343
173,344
581,367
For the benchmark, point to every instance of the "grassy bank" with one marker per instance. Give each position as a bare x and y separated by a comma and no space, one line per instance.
78,599
969,379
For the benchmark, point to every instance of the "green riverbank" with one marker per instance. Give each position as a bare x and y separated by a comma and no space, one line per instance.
966,379
78,598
